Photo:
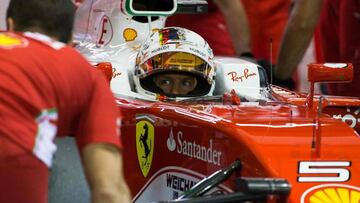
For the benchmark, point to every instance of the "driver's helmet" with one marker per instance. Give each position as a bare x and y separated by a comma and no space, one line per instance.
179,51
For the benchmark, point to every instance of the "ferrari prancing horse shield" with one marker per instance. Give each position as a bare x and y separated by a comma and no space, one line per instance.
145,145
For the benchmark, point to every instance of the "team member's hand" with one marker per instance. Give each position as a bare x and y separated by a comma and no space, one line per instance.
103,169
288,83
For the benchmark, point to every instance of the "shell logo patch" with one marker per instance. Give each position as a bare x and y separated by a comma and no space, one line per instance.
9,40
331,193
145,145
129,34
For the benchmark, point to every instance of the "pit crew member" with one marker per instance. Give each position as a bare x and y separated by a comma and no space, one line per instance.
47,89
225,27
340,38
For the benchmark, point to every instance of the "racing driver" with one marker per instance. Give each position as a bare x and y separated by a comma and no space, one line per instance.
176,63
46,90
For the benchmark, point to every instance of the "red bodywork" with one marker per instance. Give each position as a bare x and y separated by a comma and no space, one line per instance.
283,138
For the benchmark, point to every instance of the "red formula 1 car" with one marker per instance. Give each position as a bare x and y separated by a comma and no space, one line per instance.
248,142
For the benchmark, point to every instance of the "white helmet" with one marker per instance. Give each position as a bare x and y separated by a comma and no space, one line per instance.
179,50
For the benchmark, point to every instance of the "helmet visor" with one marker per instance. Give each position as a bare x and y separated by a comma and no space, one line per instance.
176,61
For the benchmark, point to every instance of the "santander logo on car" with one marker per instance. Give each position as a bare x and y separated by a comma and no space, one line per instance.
192,149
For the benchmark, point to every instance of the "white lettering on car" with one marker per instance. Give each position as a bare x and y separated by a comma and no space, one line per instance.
351,118
323,171
179,183
235,77
192,149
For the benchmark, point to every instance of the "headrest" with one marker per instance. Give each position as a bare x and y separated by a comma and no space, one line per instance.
246,78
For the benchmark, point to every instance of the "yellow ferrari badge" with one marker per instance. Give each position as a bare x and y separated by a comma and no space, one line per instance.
145,145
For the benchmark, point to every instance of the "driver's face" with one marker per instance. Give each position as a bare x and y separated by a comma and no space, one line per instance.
175,83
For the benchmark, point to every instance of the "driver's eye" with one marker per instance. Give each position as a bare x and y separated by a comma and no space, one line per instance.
188,83
165,82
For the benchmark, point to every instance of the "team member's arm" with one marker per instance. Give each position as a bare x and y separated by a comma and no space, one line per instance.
103,169
297,36
99,141
237,24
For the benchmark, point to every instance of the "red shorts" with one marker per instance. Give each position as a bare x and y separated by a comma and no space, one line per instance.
23,177
340,35
267,21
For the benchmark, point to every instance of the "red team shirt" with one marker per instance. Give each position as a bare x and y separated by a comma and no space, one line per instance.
211,26
41,78
48,89
267,20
